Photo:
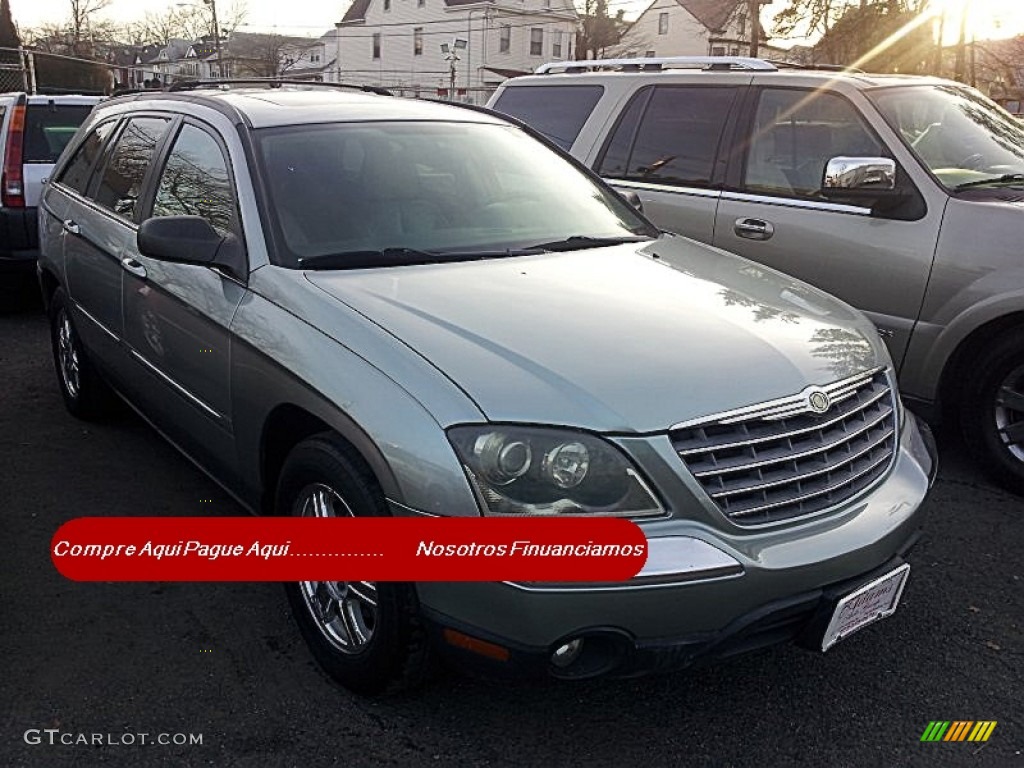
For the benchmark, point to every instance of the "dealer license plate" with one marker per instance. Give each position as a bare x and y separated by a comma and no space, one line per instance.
866,605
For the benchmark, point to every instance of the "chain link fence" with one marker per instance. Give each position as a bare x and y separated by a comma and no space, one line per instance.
14,71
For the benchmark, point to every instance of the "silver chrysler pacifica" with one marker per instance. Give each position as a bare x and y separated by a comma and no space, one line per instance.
341,303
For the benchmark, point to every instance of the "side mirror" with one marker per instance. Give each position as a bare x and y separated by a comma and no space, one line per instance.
190,240
632,198
860,178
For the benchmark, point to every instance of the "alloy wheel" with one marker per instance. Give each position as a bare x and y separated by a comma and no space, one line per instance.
345,612
1009,412
67,352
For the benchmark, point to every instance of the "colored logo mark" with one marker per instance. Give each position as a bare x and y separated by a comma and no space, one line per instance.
958,730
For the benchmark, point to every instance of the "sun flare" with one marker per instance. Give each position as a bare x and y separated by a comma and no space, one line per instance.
986,19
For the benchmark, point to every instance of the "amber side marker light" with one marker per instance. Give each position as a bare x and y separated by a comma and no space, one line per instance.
476,645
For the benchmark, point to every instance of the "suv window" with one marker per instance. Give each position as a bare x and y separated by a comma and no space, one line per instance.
558,111
76,173
122,178
677,138
795,134
195,181
49,128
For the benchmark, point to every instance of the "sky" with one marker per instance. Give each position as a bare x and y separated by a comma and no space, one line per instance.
990,18
309,17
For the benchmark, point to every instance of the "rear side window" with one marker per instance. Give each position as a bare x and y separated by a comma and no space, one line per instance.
557,111
122,179
76,173
677,139
49,128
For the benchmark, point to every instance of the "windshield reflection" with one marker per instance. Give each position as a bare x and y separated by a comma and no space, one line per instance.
960,135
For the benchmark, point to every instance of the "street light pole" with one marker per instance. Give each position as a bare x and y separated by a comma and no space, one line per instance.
216,36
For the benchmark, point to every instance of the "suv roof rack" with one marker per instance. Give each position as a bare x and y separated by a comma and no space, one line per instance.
655,64
821,67
272,82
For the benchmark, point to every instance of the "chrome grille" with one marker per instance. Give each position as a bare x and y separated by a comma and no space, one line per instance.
780,460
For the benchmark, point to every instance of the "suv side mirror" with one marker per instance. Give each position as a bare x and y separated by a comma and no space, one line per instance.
190,240
860,178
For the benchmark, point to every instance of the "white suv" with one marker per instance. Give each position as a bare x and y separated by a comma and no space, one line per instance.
33,132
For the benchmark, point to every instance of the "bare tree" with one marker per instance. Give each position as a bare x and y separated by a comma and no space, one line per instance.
82,12
192,21
266,55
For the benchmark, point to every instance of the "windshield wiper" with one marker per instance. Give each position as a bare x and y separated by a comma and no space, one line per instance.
401,257
385,257
576,242
1006,178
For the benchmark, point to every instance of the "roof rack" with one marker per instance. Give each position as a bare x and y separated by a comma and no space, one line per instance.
820,67
272,82
653,64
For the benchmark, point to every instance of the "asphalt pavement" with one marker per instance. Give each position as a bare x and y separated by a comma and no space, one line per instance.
225,661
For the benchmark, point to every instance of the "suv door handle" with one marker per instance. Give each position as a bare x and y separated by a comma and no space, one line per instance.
754,229
133,266
71,227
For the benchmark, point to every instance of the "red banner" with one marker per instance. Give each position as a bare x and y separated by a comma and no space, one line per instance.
348,549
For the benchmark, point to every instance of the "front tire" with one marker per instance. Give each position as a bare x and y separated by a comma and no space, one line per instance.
85,394
366,636
992,412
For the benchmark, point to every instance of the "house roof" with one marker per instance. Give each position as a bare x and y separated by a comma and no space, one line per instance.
713,14
357,11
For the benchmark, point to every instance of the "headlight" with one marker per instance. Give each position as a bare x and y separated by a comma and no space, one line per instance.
541,471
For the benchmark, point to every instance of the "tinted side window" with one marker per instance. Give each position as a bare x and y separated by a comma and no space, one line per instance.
795,134
122,179
614,160
557,111
679,135
195,181
49,128
76,173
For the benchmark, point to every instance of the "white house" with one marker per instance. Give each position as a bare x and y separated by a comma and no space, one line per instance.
397,43
689,28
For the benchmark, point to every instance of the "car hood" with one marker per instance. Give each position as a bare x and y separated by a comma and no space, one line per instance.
630,338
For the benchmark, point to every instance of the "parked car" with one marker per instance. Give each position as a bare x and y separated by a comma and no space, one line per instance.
33,132
902,195
343,303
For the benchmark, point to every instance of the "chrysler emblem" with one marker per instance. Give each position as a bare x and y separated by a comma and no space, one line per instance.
818,400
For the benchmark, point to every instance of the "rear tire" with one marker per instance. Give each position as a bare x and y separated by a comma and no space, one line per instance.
366,636
85,394
992,411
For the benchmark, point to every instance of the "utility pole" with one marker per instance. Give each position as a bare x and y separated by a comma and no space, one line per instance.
937,63
216,36
961,49
754,14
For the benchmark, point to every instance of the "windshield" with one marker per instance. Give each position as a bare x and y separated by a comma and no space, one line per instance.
960,135
425,191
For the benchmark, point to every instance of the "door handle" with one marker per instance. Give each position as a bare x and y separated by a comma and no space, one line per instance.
71,227
133,266
754,229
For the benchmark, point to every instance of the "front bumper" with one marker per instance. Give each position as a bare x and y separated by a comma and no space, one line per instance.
787,579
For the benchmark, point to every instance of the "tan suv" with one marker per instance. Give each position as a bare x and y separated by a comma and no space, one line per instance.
902,195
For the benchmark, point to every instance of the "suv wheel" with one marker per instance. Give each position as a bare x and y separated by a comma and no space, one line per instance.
367,636
85,394
992,412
